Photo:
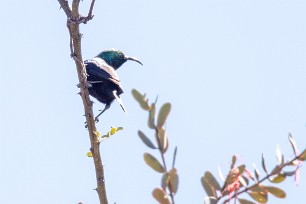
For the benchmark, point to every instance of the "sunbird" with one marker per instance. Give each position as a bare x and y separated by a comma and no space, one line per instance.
103,81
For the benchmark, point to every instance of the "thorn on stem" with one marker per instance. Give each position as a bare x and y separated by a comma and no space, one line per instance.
73,55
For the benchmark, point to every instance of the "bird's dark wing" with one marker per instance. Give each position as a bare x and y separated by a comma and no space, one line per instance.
97,69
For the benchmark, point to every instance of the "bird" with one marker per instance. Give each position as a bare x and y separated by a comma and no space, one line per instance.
102,79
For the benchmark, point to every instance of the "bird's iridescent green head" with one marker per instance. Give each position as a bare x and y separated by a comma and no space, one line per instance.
115,58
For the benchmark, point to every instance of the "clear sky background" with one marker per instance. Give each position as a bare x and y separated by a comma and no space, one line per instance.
234,72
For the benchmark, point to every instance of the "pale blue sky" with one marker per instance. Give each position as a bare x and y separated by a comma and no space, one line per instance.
234,72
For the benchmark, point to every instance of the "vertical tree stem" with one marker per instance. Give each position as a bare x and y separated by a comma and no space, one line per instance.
73,26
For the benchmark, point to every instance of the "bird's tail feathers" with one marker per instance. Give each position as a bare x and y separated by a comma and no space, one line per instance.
119,101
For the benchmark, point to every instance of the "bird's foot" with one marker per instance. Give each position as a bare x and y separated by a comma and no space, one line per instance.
88,85
72,55
96,119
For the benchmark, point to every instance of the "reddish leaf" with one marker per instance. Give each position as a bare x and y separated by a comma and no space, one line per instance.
160,196
151,119
234,174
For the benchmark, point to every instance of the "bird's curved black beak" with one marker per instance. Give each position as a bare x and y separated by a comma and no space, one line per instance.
133,59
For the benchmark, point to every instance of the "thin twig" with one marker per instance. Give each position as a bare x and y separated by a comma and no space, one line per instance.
90,16
73,21
163,159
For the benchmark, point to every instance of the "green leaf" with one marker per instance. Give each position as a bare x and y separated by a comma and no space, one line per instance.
241,169
160,196
256,171
233,175
293,144
89,154
174,157
258,189
146,140
210,184
163,114
151,119
165,180
263,164
119,128
277,192
303,156
259,197
173,180
244,201
163,139
113,130
153,163
141,99
210,200
278,178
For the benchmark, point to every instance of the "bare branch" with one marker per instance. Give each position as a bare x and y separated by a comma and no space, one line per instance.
261,180
90,16
73,22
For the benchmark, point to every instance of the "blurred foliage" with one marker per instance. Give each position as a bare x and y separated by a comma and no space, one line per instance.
239,180
170,178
